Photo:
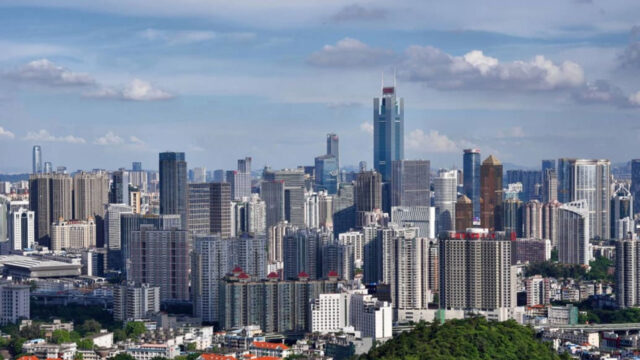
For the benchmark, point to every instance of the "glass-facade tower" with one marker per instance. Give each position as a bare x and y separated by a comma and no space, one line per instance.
471,178
388,131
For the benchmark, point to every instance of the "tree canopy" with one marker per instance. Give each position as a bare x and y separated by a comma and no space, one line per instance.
474,338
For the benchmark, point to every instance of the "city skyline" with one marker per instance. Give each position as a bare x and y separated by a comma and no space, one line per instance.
132,80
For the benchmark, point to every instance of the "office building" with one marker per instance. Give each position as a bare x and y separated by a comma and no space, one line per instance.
21,229
249,216
635,183
445,197
422,217
50,197
564,180
173,185
327,173
410,184
161,258
199,175
368,192
272,192
132,302
333,147
119,193
293,182
491,193
132,222
112,225
573,233
471,181
549,186
209,209
590,181
344,210
464,213
388,131
241,180
73,234
36,168
622,222
476,273
531,181
48,167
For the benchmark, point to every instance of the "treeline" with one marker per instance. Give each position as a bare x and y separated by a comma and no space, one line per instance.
599,270
474,338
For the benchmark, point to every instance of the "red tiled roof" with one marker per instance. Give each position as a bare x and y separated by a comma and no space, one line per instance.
268,358
273,275
268,345
237,269
243,276
216,357
333,273
28,357
303,274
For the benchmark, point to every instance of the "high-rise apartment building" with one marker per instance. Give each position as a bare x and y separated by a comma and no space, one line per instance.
445,189
627,273
512,216
622,221
161,258
573,233
36,167
550,222
410,184
590,181
73,234
132,302
549,185
90,194
533,220
129,223
422,217
210,263
14,303
50,197
464,213
173,185
635,183
471,181
491,193
249,217
209,209
388,131
476,272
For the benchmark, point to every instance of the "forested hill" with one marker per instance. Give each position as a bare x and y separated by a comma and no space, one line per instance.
474,338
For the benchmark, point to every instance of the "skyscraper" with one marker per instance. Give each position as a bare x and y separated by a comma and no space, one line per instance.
471,175
173,185
635,183
548,165
564,180
464,213
445,197
48,167
549,185
333,147
272,192
209,210
243,179
410,183
21,229
388,131
627,271
491,193
512,217
573,233
37,160
119,193
90,194
368,196
590,181
327,173
50,197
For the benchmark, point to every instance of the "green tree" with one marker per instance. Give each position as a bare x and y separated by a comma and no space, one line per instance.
85,344
191,347
119,335
134,329
90,326
123,356
78,356
60,336
15,345
31,331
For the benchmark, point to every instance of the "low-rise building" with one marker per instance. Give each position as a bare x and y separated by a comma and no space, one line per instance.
149,351
262,348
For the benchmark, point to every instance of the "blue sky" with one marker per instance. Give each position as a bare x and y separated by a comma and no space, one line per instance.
101,84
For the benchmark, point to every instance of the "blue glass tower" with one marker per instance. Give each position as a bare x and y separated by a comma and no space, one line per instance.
388,131
327,173
173,185
471,178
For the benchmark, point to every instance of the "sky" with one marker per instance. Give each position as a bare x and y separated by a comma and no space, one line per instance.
99,84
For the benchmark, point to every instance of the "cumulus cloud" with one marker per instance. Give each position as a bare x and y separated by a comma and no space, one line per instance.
44,136
367,127
45,72
603,92
6,133
110,138
350,52
136,90
182,37
356,12
431,142
629,59
135,140
477,71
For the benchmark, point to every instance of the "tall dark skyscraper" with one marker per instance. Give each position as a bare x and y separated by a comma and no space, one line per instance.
491,193
173,185
333,147
368,191
37,160
210,209
388,131
635,183
119,193
136,166
548,164
50,196
471,178
564,180
410,183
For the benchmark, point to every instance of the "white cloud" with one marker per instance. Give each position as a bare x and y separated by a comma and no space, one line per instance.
367,127
431,142
45,72
135,140
44,135
6,133
356,12
183,37
350,52
603,92
634,99
110,138
477,71
136,90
